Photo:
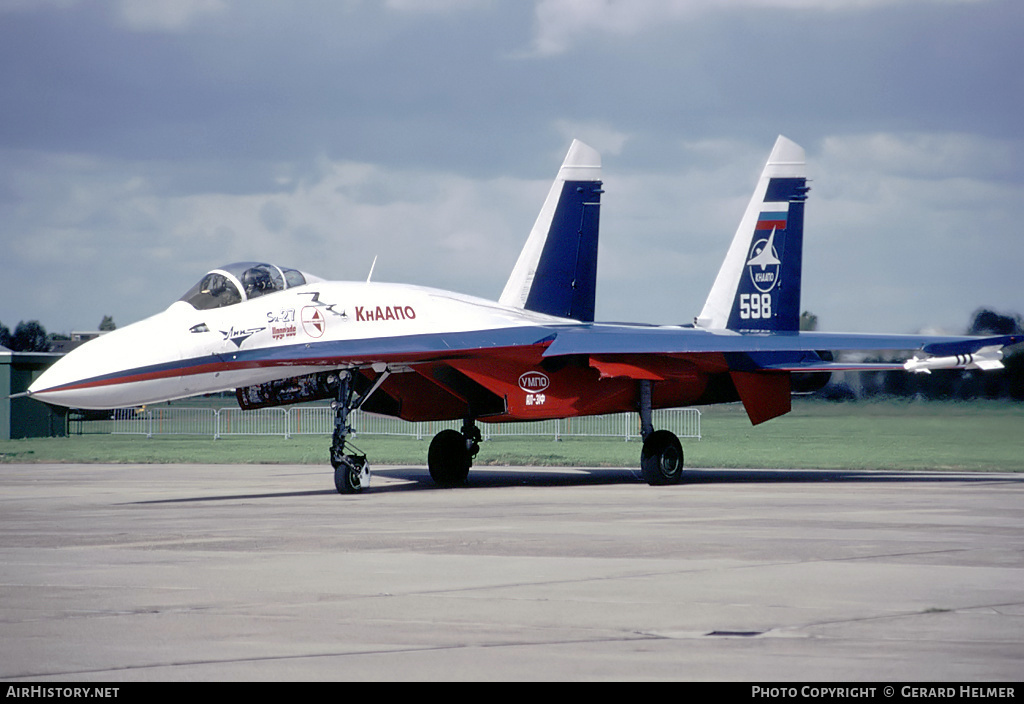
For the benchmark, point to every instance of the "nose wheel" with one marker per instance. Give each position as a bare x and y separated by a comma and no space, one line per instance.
351,473
351,470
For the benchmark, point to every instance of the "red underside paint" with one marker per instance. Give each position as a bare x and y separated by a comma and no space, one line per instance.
764,395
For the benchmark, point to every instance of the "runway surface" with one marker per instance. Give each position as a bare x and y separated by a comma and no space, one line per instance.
189,572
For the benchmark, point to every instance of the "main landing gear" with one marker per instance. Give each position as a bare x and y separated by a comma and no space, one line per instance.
661,459
451,454
449,458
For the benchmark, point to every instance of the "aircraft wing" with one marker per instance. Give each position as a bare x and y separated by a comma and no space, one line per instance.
654,340
759,369
446,375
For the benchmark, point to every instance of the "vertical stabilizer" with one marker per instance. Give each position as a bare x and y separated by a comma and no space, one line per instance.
758,286
556,272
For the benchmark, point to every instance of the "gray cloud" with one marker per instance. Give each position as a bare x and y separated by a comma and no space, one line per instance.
143,143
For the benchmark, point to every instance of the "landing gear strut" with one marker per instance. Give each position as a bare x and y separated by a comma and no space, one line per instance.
661,459
351,470
451,454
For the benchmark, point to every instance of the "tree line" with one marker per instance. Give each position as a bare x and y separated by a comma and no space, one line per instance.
31,336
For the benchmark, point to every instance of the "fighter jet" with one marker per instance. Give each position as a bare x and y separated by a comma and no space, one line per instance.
277,335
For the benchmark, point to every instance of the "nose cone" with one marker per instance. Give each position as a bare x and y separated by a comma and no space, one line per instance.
83,377
105,372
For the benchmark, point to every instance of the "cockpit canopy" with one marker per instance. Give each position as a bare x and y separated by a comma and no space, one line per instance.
239,282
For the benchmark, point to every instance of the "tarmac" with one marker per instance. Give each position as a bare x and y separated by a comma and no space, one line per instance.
121,573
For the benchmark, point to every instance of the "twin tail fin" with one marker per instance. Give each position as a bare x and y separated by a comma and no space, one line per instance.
556,273
758,285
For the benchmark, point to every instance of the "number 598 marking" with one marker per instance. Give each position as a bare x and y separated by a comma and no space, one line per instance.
755,305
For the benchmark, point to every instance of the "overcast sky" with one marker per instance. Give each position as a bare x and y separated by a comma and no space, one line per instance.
144,142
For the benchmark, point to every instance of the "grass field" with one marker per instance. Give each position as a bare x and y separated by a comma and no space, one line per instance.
976,436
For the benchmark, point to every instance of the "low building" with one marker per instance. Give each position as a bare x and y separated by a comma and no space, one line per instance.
24,417
76,339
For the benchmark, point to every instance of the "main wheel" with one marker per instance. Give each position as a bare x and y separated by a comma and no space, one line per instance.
351,474
448,458
661,460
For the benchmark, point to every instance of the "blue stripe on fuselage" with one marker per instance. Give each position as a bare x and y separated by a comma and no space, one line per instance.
326,353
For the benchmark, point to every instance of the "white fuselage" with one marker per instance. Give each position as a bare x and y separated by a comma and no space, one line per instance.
186,352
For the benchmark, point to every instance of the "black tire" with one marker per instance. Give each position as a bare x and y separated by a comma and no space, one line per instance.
448,459
347,475
661,460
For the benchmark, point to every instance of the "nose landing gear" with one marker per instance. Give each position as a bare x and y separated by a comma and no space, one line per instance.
351,470
451,452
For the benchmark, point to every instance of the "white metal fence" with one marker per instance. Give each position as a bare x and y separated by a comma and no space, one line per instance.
319,420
